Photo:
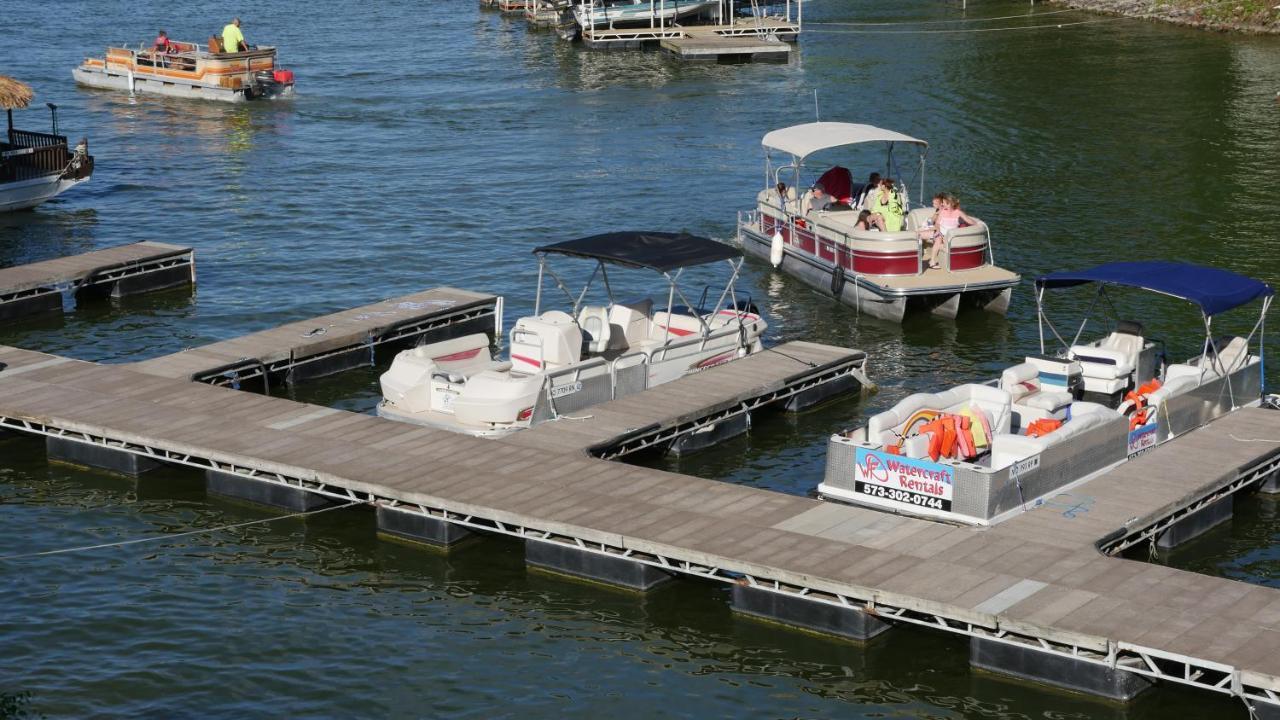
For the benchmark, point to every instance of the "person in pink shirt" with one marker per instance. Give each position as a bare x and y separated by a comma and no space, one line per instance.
948,217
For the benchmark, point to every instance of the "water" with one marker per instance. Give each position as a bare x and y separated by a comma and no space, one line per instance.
437,144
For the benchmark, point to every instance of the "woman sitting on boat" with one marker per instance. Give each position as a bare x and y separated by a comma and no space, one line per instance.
887,207
949,217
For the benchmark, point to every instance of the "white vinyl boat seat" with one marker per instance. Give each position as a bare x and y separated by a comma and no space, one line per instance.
548,341
629,323
594,322
1106,370
1008,448
1232,354
1020,380
1031,401
886,427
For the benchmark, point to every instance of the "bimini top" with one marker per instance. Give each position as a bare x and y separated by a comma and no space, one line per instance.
1213,289
661,251
804,140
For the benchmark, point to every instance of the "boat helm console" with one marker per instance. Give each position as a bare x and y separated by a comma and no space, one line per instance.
978,453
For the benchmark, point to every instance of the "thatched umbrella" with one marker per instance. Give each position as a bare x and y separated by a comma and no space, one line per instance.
14,94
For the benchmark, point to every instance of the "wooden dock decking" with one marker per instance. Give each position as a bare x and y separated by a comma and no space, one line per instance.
326,344
123,270
1037,581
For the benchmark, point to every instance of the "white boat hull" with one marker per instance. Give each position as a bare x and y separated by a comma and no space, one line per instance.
25,194
642,13
143,84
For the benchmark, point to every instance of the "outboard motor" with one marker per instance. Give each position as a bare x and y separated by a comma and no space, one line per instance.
272,83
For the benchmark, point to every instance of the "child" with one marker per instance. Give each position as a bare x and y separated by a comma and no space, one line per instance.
950,216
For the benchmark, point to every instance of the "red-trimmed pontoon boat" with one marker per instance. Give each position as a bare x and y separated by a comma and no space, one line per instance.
884,274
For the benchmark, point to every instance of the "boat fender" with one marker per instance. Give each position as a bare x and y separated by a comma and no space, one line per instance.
837,281
775,249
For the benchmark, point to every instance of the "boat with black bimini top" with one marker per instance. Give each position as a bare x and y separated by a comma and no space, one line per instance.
979,453
882,272
36,166
561,362
189,70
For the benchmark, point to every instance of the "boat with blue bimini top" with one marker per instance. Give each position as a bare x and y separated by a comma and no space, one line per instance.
631,13
189,70
978,453
881,266
561,362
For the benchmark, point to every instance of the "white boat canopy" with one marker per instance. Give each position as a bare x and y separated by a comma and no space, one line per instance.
804,140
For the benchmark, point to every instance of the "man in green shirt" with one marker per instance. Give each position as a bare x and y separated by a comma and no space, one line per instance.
232,38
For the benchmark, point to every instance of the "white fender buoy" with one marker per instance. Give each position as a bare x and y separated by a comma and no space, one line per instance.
775,249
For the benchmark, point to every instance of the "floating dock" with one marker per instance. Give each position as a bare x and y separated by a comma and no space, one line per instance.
744,39
1042,596
705,43
332,343
125,270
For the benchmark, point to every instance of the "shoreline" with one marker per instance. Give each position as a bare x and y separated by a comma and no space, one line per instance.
1255,17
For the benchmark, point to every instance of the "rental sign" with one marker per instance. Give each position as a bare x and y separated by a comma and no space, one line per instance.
903,480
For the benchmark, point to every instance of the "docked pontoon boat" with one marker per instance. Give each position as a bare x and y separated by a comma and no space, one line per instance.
36,166
884,274
561,362
189,70
630,13
979,453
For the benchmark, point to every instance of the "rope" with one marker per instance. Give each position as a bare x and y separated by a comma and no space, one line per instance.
171,536
1265,440
792,357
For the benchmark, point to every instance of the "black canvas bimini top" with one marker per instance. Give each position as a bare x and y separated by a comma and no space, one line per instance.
660,251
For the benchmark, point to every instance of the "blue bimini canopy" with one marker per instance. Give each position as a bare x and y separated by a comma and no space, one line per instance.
1213,289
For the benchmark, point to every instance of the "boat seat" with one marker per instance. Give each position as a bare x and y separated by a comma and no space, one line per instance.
1007,448
1056,374
1232,355
886,427
594,321
629,323
548,341
1106,370
215,44
1020,380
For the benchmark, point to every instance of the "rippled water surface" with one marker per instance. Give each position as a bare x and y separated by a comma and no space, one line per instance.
435,143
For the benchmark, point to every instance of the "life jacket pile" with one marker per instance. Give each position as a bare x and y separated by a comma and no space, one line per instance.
1135,402
962,436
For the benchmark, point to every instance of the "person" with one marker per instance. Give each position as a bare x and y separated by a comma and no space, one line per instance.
161,45
817,199
950,217
232,38
868,192
887,207
868,221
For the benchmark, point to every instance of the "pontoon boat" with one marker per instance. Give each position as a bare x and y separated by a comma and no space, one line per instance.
35,166
189,70
980,453
630,13
561,362
884,274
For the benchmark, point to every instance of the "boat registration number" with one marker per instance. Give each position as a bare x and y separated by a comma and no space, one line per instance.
903,496
562,390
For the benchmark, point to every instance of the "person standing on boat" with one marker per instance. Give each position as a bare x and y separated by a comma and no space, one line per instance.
232,38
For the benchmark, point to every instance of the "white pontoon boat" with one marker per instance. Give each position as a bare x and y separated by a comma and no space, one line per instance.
884,274
980,453
561,362
630,13
36,166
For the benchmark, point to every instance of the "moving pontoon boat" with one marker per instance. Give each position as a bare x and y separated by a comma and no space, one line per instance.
631,13
884,274
189,70
561,362
35,166
979,453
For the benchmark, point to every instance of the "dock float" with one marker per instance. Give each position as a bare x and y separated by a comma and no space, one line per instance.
1044,596
744,39
704,44
115,272
336,342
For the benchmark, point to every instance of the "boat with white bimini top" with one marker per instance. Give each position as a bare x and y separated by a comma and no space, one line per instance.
979,453
882,271
630,13
189,70
561,362
36,166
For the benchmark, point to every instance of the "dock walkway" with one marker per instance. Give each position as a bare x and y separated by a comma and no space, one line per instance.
335,342
124,270
1035,588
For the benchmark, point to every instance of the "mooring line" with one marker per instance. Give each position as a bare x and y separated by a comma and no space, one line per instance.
154,538
943,22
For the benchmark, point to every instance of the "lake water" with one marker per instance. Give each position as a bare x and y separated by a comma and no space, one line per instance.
436,143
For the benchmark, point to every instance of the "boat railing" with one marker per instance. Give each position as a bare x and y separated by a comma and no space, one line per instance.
30,155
